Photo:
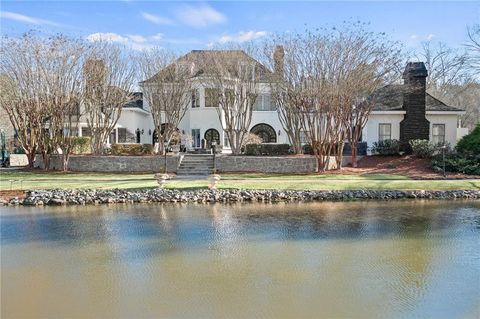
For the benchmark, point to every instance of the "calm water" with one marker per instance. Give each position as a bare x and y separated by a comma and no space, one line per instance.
356,260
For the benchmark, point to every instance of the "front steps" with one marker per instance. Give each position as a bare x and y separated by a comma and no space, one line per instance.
195,164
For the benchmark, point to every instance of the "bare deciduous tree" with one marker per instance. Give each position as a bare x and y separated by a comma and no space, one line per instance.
23,91
326,86
235,79
167,90
109,76
473,46
452,77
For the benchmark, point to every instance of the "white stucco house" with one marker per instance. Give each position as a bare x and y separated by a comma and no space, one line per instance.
400,113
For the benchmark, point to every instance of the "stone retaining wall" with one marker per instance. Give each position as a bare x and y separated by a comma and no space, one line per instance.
273,164
151,164
113,164
266,164
18,160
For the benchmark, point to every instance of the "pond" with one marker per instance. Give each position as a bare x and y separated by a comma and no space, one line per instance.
399,259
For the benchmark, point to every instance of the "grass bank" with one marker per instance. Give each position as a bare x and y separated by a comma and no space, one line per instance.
18,180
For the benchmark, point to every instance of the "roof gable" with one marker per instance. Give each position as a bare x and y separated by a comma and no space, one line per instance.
390,98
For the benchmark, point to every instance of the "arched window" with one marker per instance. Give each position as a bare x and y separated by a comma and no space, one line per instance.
210,136
265,132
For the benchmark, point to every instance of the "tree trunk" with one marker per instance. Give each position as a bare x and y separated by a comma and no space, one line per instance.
31,159
65,158
353,146
46,161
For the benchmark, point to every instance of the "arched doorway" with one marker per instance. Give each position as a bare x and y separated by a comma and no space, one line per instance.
155,135
265,132
210,136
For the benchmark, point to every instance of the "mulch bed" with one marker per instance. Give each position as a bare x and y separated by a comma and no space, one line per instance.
416,168
7,195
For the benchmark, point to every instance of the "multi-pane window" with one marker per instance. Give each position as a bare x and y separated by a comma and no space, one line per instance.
122,135
195,99
263,103
438,134
211,97
86,131
304,137
384,132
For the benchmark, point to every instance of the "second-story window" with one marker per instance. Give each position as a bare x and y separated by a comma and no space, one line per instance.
384,132
263,103
211,97
195,99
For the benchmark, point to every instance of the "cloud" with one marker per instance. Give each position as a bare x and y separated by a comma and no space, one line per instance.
200,16
134,41
25,19
242,37
157,37
107,37
137,38
416,37
156,19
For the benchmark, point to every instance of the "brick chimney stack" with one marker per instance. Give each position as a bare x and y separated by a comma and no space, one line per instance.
278,59
414,125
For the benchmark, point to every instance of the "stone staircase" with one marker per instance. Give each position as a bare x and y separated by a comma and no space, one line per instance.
195,164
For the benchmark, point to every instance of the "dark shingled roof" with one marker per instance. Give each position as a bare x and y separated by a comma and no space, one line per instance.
390,98
199,57
136,100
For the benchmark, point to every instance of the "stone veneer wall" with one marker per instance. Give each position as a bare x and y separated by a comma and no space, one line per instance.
113,164
18,160
154,164
266,164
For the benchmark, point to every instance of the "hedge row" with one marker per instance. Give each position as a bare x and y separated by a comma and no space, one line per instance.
267,149
132,149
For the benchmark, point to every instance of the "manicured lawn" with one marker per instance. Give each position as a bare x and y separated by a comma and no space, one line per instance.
30,180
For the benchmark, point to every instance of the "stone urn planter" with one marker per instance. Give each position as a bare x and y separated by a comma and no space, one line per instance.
161,179
213,181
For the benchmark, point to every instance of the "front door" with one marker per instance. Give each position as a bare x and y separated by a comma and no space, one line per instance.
196,138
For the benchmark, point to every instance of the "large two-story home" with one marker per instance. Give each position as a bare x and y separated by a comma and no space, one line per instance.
402,112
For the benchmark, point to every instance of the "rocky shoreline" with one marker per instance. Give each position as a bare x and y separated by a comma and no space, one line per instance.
92,196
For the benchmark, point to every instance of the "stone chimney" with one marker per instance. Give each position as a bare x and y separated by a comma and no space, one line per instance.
278,59
414,125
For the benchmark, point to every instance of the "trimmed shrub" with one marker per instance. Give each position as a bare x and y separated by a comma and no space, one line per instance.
423,148
387,147
307,149
81,144
131,149
147,149
267,149
456,162
470,143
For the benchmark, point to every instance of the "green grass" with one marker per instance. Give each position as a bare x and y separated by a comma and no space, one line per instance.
39,180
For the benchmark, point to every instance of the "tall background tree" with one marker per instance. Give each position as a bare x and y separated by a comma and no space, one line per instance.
167,88
452,77
109,76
